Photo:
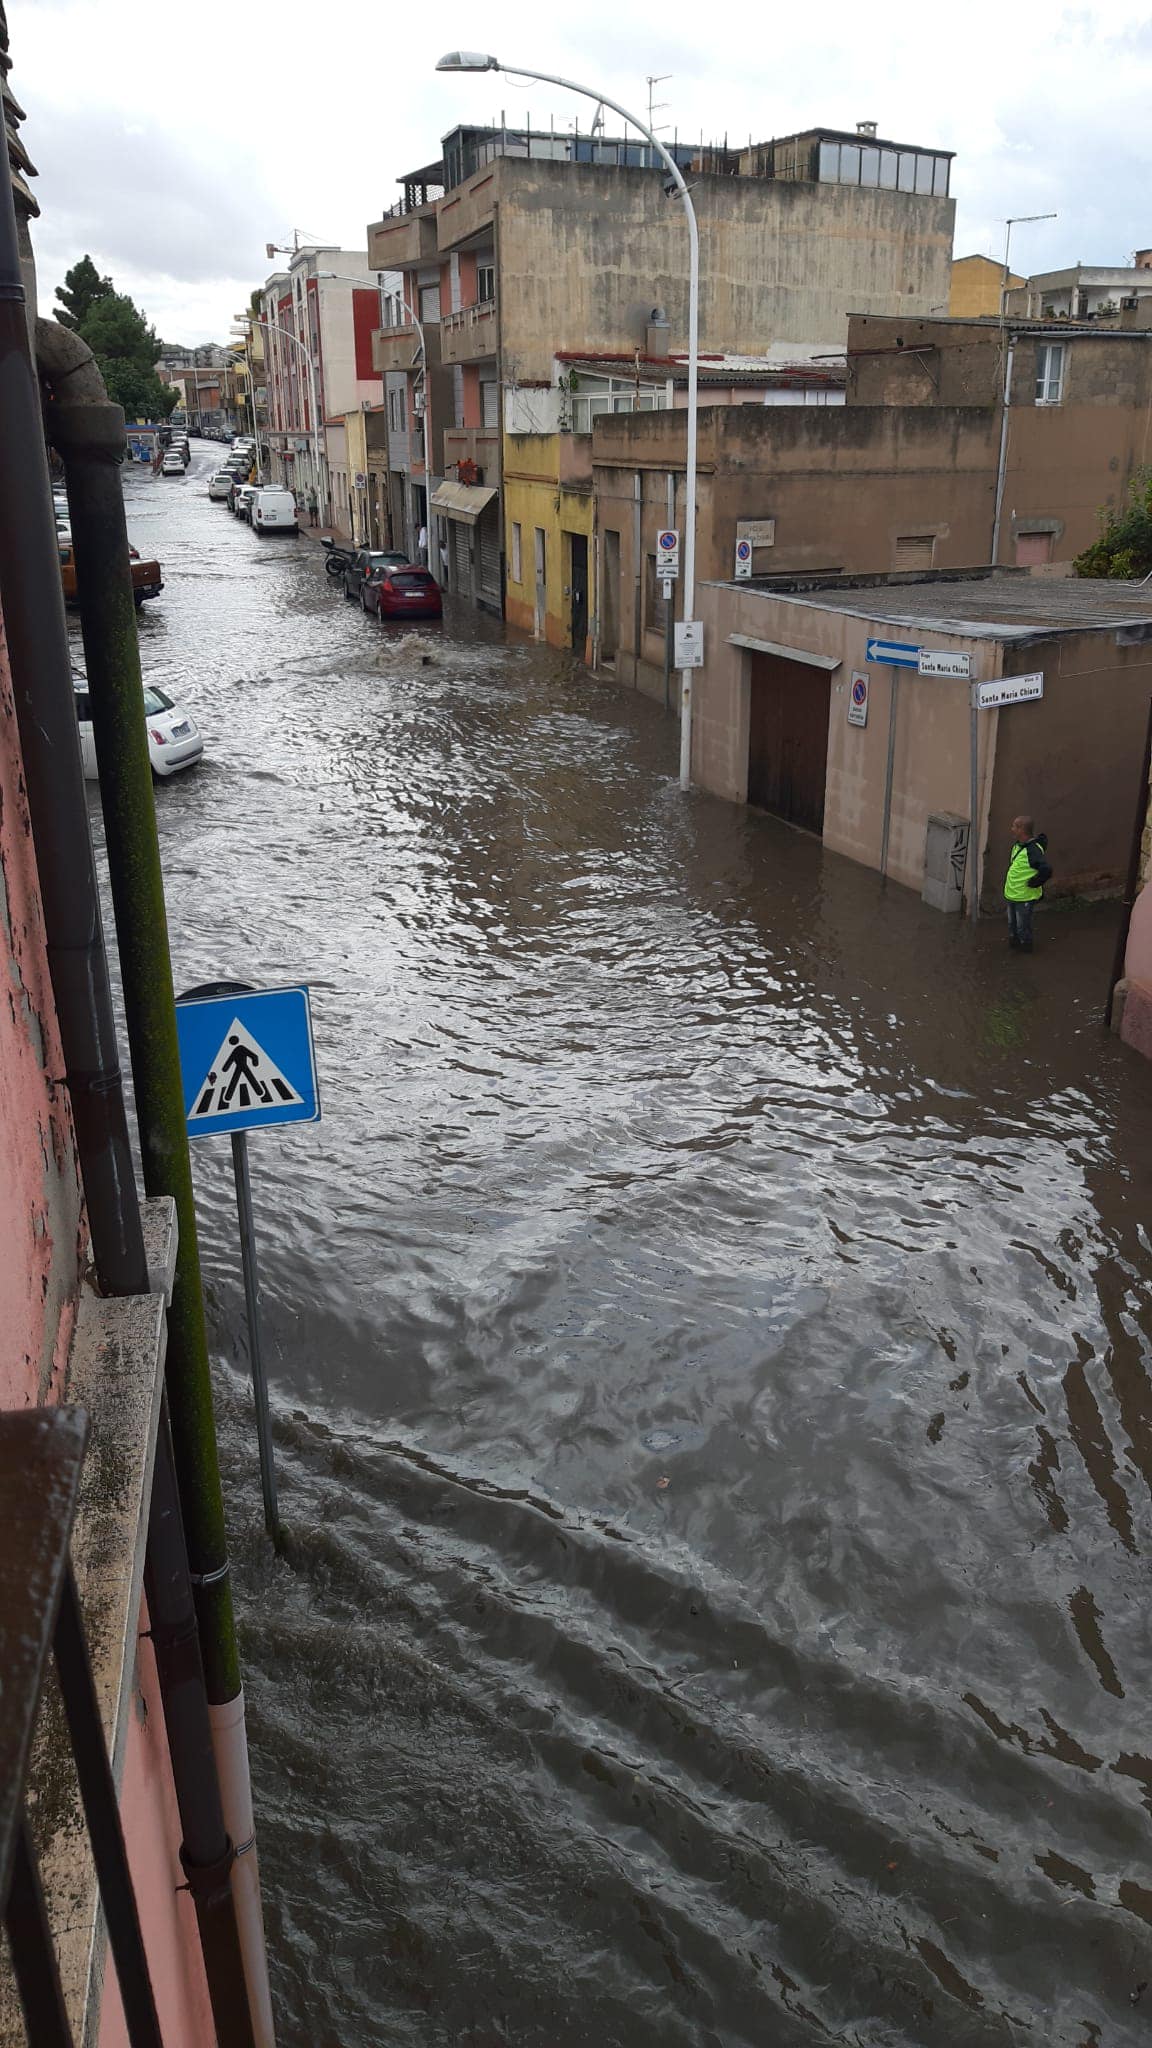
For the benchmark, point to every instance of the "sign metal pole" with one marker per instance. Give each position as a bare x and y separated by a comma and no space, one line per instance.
893,699
255,1340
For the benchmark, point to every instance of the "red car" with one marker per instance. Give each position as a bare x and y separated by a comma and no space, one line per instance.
406,593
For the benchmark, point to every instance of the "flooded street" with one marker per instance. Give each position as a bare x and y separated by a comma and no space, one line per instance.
709,1339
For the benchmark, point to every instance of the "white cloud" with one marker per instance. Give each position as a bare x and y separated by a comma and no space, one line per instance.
174,169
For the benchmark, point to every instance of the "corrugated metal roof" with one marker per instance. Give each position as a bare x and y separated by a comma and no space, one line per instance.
1001,607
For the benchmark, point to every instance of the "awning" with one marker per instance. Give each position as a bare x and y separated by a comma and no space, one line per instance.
786,653
462,501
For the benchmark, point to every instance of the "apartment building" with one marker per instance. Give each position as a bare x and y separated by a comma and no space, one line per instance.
318,323
520,248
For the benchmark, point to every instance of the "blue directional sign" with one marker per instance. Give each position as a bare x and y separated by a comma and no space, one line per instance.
893,653
247,1060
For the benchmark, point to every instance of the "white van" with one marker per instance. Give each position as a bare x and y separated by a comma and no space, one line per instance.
274,510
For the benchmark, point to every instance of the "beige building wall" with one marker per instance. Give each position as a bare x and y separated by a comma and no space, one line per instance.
585,254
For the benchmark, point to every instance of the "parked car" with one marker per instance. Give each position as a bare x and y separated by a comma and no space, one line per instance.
273,510
174,463
220,485
242,500
146,578
402,593
362,561
173,741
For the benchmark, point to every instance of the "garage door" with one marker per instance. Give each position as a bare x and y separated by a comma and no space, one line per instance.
788,739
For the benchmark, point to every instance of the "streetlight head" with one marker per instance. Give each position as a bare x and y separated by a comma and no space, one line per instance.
467,60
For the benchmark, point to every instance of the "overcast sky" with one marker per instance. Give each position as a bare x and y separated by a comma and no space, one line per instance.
173,144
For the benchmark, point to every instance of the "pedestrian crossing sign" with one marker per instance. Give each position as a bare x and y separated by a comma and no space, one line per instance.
247,1061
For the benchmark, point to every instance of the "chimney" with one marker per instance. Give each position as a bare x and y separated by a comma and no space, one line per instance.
866,128
657,333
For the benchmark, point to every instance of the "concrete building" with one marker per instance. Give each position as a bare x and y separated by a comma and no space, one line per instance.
520,247
311,314
207,395
548,495
811,706
1084,291
977,284
906,476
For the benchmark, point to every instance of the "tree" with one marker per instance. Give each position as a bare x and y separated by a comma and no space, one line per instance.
1124,548
82,288
126,348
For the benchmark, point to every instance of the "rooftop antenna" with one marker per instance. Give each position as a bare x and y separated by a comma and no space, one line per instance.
657,106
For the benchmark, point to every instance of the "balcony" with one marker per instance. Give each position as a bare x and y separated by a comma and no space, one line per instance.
396,348
480,445
470,335
402,239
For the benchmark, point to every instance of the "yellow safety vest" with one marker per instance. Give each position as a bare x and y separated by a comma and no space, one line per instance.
1019,886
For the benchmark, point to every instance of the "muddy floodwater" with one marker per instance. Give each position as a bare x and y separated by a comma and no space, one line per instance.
709,1336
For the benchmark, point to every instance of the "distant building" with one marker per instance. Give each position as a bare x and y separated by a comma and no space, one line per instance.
318,328
797,234
977,283
1083,292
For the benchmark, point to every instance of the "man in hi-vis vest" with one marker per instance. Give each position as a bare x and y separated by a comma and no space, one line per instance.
1028,870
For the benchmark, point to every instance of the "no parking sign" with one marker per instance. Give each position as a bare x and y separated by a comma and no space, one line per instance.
858,699
743,559
668,553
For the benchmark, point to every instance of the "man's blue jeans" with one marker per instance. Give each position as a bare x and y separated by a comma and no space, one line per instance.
1020,926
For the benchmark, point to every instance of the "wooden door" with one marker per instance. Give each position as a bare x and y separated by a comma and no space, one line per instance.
788,739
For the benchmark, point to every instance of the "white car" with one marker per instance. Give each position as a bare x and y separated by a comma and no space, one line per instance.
220,485
173,464
173,741
242,500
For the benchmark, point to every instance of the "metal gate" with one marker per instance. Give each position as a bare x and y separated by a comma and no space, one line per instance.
461,563
488,541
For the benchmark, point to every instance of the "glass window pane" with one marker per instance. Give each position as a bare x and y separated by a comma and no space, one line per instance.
849,164
940,178
888,169
829,162
906,178
924,174
869,166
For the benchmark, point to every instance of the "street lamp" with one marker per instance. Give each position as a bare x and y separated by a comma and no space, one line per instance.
474,60
1016,220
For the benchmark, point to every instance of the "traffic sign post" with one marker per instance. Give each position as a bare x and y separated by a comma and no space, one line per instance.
893,653
247,1060
668,552
743,560
858,699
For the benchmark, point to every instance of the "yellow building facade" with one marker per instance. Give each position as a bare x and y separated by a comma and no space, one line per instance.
548,532
976,285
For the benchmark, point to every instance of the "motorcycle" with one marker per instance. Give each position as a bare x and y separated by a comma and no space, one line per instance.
336,560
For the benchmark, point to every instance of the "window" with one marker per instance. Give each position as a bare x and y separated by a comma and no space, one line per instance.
517,559
829,162
489,402
430,304
1049,372
869,166
397,411
485,283
655,609
888,162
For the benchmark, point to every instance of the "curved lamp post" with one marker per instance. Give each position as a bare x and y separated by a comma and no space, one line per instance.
274,327
474,60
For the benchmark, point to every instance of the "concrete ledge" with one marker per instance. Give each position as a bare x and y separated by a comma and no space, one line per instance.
160,1244
115,1371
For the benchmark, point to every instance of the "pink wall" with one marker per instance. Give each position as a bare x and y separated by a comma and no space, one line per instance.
167,1915
41,1232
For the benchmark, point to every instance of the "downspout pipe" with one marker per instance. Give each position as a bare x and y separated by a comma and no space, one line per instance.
1002,459
31,595
88,434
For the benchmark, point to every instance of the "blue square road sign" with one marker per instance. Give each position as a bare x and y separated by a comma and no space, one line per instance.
247,1061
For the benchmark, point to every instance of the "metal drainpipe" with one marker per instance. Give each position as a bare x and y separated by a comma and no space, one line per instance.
89,437
31,596
1002,460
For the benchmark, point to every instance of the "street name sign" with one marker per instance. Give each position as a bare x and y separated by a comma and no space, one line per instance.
761,532
1008,690
944,661
668,552
689,644
247,1061
743,559
893,653
858,699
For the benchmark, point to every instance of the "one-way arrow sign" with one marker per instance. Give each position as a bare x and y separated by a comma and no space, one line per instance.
893,653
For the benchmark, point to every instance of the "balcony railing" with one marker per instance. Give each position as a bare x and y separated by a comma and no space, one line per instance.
469,335
41,1455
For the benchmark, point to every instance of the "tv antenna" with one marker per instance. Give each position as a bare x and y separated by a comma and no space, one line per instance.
657,106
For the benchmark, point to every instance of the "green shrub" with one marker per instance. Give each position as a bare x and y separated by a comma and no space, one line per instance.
1124,547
